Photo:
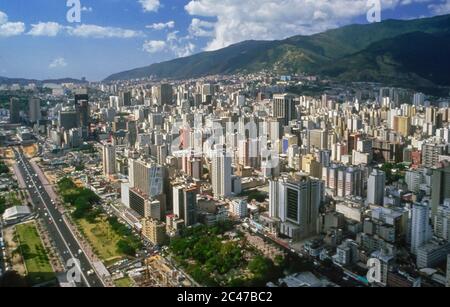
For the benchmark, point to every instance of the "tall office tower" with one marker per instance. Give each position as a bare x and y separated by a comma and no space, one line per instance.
207,92
442,221
164,94
353,182
82,108
296,202
109,159
418,99
420,226
440,187
148,178
67,119
402,125
132,133
34,109
125,99
431,153
376,187
81,94
318,139
284,107
185,204
14,111
221,172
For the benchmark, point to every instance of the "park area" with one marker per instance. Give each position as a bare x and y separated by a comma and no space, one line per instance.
103,239
125,282
39,270
110,240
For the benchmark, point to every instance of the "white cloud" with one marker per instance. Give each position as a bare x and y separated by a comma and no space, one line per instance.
8,29
154,46
45,29
59,62
441,8
201,28
237,20
150,5
162,25
94,31
178,46
3,18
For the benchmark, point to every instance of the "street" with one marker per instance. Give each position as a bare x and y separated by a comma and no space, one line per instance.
64,240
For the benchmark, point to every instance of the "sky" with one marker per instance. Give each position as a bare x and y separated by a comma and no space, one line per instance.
39,40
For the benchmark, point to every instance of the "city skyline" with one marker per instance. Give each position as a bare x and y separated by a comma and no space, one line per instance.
121,35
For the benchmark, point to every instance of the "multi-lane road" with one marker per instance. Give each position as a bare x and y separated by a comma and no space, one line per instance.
64,240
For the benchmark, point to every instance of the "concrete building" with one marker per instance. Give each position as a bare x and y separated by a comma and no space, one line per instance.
221,173
376,188
440,187
296,201
154,231
34,110
109,160
420,226
185,204
283,107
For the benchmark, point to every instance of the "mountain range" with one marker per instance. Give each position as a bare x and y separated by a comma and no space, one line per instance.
22,81
411,53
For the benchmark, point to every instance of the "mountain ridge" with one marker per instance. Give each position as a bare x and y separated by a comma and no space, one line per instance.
297,54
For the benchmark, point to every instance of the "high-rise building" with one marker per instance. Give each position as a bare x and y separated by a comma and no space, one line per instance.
318,139
420,225
14,111
163,94
67,119
376,187
440,187
431,153
109,160
221,173
442,221
296,202
185,204
147,178
83,111
125,99
284,107
34,109
154,231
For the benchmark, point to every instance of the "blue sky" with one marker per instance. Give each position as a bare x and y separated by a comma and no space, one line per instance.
37,40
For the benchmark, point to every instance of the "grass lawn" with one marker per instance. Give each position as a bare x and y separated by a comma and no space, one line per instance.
103,239
33,251
125,282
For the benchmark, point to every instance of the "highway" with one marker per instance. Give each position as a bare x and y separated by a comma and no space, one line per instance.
63,238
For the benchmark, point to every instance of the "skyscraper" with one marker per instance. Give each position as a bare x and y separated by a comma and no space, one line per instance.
14,111
82,109
163,94
185,204
440,187
34,109
420,225
125,99
147,178
296,202
284,107
431,153
109,160
376,187
221,172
